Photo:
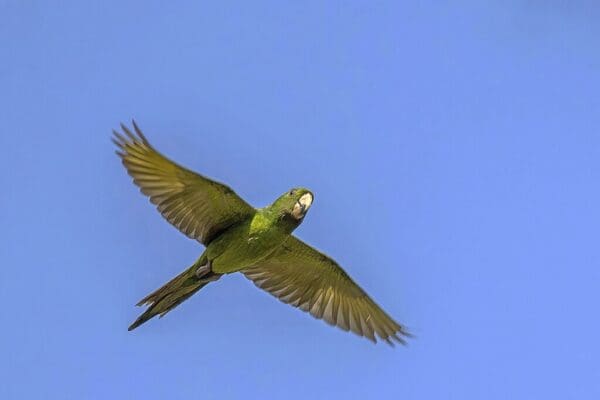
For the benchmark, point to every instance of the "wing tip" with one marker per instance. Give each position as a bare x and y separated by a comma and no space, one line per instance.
399,336
138,131
130,137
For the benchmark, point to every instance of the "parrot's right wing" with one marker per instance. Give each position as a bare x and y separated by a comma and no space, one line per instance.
199,207
303,277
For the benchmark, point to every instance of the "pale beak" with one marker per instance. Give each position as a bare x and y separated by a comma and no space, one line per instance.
302,205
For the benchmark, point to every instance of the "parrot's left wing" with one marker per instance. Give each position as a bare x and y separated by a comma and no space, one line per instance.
198,206
303,277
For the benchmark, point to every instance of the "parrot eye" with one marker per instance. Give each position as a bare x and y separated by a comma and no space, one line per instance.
292,192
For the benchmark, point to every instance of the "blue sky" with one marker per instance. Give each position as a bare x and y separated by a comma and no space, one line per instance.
453,150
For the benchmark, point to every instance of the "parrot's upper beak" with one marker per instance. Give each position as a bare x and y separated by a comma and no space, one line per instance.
302,205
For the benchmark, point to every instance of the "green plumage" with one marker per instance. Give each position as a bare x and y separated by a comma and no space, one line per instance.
239,238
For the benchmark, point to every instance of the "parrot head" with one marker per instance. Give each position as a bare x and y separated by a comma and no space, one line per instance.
293,204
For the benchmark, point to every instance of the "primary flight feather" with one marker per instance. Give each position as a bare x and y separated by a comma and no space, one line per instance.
256,242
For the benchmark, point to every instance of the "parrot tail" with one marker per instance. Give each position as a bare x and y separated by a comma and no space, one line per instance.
169,296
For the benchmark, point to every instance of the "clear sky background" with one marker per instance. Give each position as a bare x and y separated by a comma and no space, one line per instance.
454,153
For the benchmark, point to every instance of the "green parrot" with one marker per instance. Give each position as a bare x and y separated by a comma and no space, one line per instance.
256,242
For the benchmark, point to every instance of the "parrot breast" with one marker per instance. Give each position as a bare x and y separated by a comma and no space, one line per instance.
246,244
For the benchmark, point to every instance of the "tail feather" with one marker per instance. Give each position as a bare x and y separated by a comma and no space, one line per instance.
173,293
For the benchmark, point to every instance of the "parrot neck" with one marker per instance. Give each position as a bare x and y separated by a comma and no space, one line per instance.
282,220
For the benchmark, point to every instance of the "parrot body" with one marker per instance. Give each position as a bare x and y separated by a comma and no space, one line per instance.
246,244
256,242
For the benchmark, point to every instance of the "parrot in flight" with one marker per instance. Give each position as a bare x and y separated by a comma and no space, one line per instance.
256,242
